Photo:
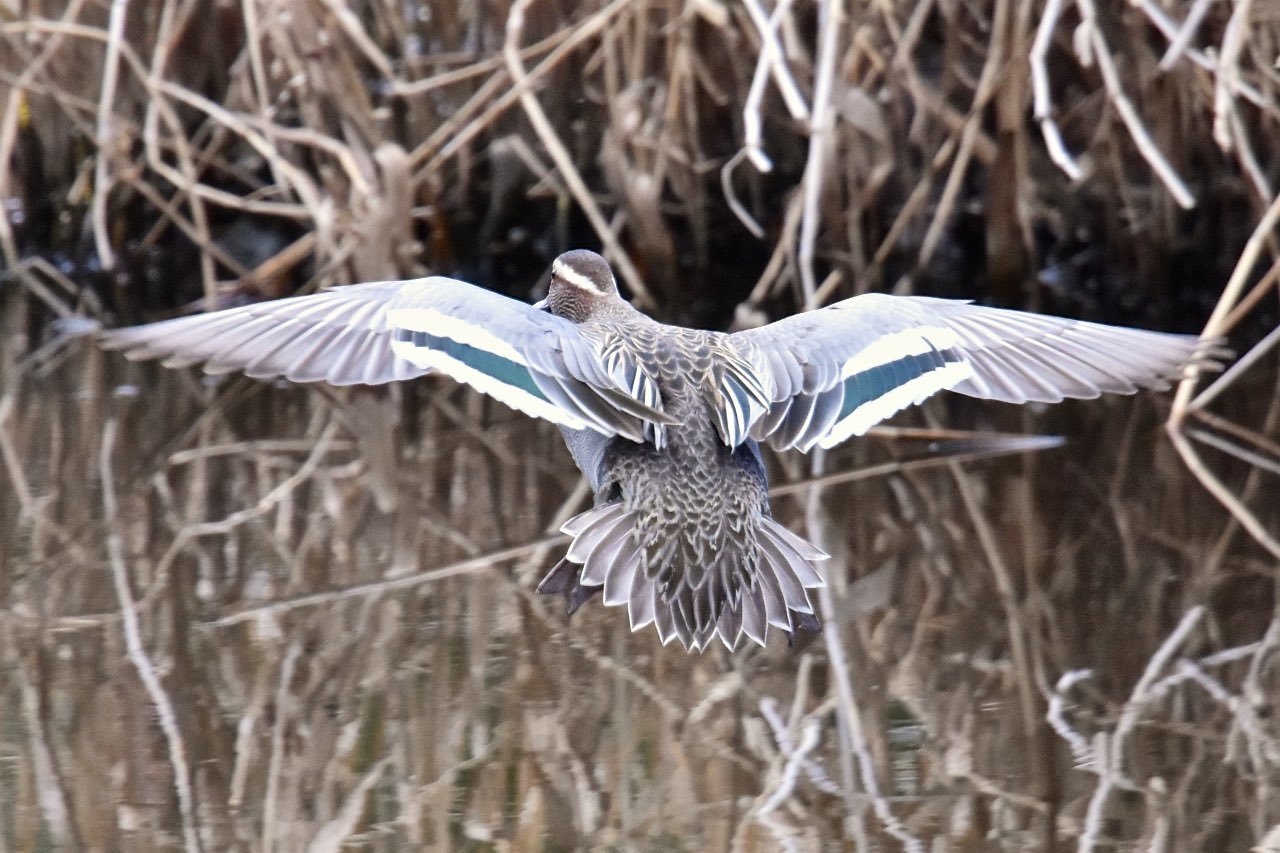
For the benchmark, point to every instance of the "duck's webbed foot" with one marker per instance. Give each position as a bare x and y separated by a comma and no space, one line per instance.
566,579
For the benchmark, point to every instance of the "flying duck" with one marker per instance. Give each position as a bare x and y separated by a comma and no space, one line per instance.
665,422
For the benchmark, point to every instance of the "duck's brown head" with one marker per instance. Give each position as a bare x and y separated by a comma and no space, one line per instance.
581,285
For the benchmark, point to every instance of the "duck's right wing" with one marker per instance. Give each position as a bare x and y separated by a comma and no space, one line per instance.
840,370
381,332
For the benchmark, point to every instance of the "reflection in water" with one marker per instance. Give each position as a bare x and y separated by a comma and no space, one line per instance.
337,638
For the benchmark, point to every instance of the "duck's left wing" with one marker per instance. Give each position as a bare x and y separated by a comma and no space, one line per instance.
543,365
381,332
838,371
339,336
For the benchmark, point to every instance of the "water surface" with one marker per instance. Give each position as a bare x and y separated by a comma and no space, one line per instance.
333,639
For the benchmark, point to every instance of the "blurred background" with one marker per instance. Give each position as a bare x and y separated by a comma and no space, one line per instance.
244,616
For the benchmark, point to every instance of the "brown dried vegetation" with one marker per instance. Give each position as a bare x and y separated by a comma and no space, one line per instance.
245,617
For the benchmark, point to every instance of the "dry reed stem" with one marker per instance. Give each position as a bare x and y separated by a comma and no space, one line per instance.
106,139
283,715
1250,301
331,837
1233,373
461,129
157,107
246,728
771,64
1109,749
1018,633
770,277
138,655
988,81
380,587
560,156
1264,749
44,766
990,446
731,197
1257,460
1165,25
850,715
1184,405
1225,82
784,787
1138,133
33,509
1042,99
804,723
822,120
1081,749
773,56
1186,32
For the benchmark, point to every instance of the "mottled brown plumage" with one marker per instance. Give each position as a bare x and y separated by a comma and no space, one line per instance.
698,552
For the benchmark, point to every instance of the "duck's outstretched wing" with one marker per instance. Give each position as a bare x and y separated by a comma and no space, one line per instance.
339,336
533,361
838,371
369,334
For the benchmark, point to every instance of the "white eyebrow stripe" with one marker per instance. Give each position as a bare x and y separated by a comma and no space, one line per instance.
572,276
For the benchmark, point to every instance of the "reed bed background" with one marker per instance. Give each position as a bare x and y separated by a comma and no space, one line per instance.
240,616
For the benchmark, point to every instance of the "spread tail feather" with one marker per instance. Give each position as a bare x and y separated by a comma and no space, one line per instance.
606,556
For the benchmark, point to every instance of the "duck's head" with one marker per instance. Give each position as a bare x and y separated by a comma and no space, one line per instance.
581,284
